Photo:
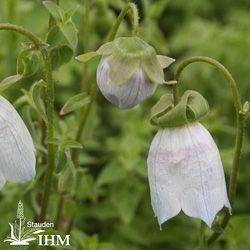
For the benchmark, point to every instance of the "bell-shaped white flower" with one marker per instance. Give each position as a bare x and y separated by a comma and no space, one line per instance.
186,173
17,153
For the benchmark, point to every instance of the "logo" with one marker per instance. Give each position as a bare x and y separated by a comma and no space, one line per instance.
23,232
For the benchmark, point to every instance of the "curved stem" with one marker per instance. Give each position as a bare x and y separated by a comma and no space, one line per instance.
50,95
231,81
131,10
239,135
21,30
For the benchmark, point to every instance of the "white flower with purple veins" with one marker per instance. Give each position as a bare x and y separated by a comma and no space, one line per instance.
17,152
129,70
186,173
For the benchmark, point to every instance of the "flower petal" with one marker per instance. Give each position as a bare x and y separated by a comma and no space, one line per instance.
17,152
164,193
2,180
207,194
132,92
187,166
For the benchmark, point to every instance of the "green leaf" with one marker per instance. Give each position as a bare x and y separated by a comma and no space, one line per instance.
75,102
67,177
105,246
84,241
56,11
111,174
60,161
70,32
69,143
60,55
27,63
9,81
69,13
37,100
126,197
55,37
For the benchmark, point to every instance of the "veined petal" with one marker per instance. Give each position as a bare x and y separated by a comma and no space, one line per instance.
132,92
185,172
17,151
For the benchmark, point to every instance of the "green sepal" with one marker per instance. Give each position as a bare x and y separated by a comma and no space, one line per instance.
192,107
165,103
165,61
104,50
123,66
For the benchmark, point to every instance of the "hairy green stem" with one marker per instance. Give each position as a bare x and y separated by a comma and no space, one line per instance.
59,211
21,30
50,96
203,242
131,10
240,118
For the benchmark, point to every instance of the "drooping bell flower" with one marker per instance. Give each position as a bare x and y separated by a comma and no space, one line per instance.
184,166
128,71
17,152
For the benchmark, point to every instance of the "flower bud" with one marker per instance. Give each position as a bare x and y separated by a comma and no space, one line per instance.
186,173
129,70
128,95
17,151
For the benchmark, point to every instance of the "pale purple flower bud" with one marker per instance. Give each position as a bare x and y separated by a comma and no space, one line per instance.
17,151
186,173
129,70
133,91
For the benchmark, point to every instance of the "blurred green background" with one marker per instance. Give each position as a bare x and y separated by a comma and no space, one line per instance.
111,201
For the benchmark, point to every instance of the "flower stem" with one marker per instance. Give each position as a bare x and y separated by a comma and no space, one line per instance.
50,110
131,10
203,243
21,30
240,117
